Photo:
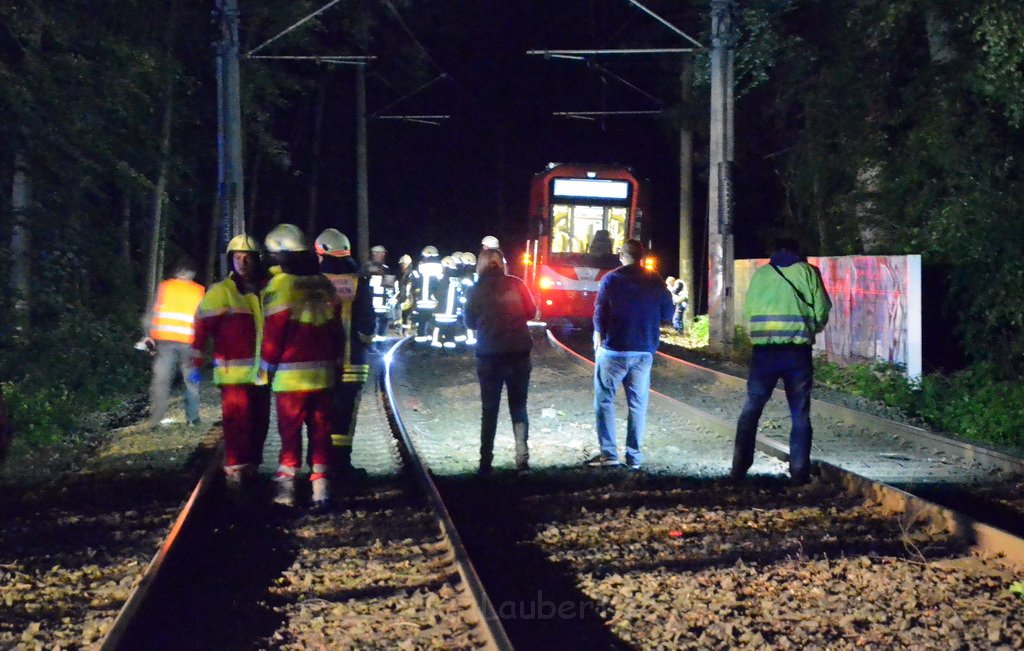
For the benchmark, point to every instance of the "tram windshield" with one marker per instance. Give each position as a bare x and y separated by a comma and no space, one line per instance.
595,231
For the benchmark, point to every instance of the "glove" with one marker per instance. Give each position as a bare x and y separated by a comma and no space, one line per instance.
195,376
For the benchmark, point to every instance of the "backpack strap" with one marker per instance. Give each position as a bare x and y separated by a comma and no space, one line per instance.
790,282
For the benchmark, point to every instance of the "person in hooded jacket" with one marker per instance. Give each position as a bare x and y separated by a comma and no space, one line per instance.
498,308
785,308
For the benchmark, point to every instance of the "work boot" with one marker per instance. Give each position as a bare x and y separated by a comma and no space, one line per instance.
321,493
343,469
521,432
284,494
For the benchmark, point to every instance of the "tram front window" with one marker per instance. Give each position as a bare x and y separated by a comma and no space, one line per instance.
575,228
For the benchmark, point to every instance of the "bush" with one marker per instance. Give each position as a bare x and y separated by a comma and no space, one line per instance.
974,404
58,377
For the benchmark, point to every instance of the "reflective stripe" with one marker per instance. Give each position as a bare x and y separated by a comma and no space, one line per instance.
341,440
303,366
230,363
181,330
177,316
784,317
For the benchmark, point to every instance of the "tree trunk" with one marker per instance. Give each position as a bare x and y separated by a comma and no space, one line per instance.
156,253
124,248
21,202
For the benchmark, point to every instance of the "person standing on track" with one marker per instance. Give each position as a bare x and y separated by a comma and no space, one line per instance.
357,319
301,339
171,323
786,306
497,309
631,304
231,315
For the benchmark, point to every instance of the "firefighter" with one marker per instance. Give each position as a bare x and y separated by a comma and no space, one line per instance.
381,282
446,317
301,338
426,279
231,315
404,296
468,279
336,262
171,322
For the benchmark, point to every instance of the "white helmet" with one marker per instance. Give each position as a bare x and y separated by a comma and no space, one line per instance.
377,248
333,242
490,242
286,238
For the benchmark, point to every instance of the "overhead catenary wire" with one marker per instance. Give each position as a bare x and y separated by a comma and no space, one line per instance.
294,26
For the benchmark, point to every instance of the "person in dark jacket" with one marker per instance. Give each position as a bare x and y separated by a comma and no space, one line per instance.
631,304
497,309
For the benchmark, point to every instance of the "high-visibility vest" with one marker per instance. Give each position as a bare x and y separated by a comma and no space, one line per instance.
174,312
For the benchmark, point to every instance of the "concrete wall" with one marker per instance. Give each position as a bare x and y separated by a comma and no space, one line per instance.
876,307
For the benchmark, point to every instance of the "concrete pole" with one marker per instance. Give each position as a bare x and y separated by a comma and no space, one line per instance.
686,185
233,189
720,240
362,188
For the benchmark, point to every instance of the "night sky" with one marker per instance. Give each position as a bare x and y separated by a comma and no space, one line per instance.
450,185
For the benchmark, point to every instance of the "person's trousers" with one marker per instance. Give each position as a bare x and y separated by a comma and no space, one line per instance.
171,357
245,410
768,363
495,372
312,408
631,370
345,397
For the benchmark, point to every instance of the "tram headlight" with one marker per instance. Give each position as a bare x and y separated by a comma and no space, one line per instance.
527,258
546,283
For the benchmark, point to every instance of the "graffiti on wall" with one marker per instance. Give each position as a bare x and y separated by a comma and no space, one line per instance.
876,307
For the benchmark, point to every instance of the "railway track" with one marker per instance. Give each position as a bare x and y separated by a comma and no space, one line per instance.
385,570
973,478
674,557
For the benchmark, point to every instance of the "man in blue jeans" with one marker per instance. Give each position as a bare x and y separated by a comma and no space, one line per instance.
632,302
786,306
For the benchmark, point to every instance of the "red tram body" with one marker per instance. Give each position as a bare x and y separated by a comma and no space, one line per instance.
580,216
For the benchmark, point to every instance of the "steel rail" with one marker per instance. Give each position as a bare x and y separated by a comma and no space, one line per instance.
962,449
982,538
126,616
494,631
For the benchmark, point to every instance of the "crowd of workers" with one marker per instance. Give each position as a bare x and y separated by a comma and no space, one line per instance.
300,329
297,327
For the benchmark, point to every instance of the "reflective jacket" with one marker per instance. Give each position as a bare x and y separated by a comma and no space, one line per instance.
235,322
301,332
356,313
777,312
174,311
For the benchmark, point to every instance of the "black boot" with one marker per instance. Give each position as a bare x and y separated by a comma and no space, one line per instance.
521,431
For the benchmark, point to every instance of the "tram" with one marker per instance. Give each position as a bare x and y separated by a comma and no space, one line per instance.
580,216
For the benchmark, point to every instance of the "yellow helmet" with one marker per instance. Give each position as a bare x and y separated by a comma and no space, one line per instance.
286,238
468,258
429,251
333,242
405,260
448,262
243,244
